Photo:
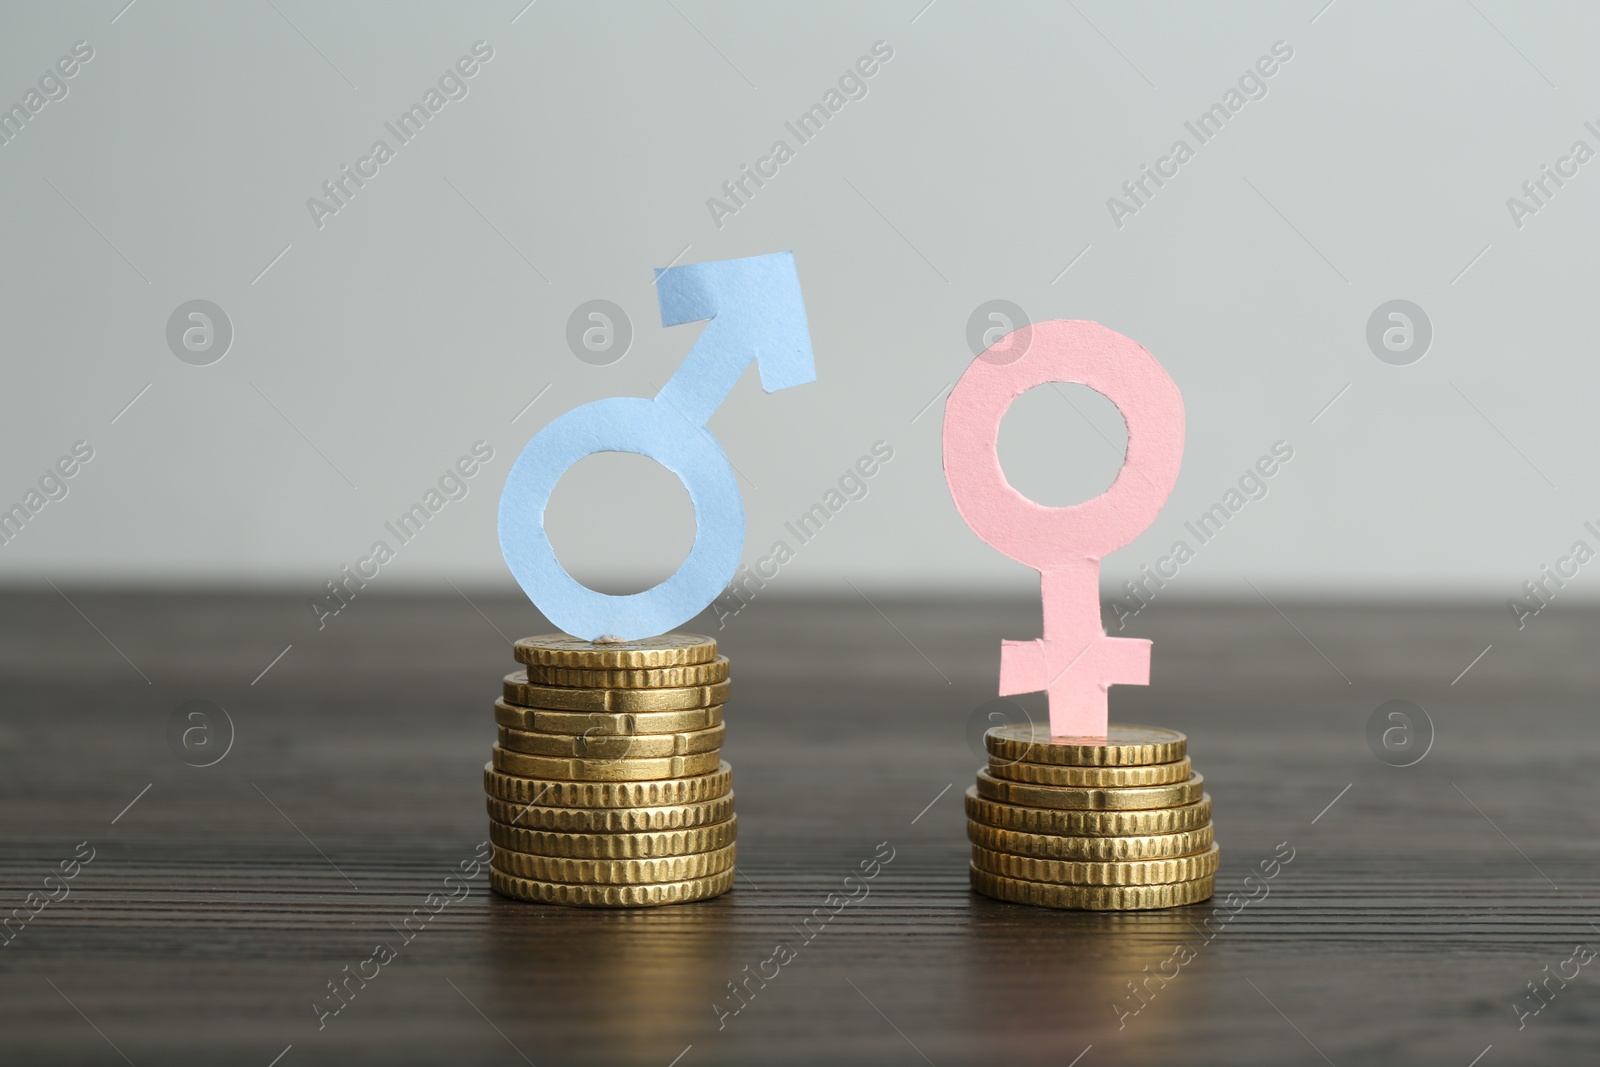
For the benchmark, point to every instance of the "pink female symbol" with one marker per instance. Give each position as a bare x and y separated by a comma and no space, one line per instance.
1075,661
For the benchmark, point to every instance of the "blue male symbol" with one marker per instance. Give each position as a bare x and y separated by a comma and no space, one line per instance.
756,315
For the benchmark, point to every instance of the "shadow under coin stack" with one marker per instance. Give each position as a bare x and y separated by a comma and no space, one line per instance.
607,787
1118,825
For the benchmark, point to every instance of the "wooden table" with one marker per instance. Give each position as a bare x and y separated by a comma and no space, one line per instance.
221,901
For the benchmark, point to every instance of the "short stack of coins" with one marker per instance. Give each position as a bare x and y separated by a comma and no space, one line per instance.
607,788
1118,824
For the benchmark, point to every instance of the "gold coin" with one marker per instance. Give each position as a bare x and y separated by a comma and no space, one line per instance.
557,793
1123,746
603,746
1081,872
563,650
593,723
1118,777
612,872
1065,821
642,678
612,820
518,689
610,896
602,770
1091,897
614,846
1131,798
1101,849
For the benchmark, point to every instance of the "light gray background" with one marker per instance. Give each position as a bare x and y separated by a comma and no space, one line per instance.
429,312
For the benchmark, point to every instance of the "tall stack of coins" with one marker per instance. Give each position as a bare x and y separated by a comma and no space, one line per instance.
607,788
1115,825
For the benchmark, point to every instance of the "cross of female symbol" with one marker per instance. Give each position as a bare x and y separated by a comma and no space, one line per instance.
1074,661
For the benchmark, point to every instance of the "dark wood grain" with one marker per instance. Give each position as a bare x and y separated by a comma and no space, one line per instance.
217,907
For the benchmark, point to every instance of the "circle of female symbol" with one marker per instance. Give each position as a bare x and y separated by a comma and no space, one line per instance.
1075,661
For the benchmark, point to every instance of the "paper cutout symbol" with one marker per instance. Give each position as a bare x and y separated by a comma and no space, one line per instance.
1075,661
756,314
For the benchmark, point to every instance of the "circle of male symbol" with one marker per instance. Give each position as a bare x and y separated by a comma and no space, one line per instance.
199,332
647,428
